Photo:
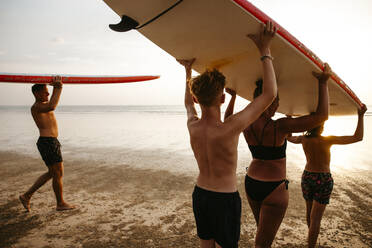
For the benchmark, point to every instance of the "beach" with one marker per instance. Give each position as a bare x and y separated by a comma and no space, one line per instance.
131,172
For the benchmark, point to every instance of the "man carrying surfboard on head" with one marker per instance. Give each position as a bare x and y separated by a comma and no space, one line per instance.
48,145
216,201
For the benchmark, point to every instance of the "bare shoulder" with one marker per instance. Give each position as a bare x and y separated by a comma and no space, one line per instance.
237,122
328,138
331,138
324,140
192,122
38,107
191,119
232,126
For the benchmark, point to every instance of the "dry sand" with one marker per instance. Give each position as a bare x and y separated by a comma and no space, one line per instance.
124,206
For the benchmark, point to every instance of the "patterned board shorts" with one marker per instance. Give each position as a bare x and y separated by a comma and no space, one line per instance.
50,150
317,186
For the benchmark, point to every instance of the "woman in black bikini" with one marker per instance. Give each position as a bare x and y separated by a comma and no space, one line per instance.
265,183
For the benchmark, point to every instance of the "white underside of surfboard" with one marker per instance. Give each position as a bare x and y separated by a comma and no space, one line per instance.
214,32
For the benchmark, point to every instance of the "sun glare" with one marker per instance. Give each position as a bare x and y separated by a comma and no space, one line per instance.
341,155
340,126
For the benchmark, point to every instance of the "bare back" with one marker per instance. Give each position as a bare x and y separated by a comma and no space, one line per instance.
215,149
317,149
266,132
317,152
214,142
45,121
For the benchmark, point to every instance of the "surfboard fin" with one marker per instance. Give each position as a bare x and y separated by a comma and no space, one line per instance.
125,24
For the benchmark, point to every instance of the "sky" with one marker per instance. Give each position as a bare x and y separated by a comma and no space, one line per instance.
73,37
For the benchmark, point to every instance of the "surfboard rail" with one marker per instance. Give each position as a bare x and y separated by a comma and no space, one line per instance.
246,5
72,79
221,43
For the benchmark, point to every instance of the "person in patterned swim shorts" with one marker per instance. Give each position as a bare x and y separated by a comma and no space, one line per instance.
317,181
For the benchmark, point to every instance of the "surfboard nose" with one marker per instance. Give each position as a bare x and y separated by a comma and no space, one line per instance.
127,23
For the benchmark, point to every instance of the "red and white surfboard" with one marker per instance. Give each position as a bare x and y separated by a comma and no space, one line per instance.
214,32
72,79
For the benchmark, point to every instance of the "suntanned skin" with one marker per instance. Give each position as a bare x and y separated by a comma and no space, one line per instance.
214,142
270,212
318,157
43,113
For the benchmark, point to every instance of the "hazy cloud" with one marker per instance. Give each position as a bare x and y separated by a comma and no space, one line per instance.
69,59
58,40
31,56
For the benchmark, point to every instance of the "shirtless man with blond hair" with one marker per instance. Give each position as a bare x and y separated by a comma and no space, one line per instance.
216,200
49,147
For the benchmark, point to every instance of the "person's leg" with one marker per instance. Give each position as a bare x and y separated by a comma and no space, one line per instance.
309,204
255,207
26,197
307,187
57,174
316,215
201,199
272,212
207,243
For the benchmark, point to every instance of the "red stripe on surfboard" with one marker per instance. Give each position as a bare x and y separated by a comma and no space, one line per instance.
74,79
296,43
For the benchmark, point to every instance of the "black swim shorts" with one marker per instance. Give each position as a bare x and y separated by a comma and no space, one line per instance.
50,150
317,186
217,216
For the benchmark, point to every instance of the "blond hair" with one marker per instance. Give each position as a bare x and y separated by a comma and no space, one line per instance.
206,87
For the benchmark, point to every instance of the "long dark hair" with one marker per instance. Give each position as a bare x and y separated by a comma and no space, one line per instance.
315,132
258,90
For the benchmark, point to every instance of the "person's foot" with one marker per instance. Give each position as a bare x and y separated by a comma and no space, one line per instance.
25,202
64,207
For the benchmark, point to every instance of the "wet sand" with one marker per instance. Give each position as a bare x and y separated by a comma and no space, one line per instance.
122,205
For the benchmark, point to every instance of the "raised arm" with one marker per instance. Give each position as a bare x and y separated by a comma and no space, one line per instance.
307,122
230,108
57,90
295,139
189,101
54,99
358,134
249,114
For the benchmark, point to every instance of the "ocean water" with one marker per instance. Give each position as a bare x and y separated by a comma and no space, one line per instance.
115,133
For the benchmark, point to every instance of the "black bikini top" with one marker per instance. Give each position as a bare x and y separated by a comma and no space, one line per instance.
267,152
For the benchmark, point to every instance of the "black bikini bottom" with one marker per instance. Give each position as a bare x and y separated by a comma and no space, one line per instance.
259,190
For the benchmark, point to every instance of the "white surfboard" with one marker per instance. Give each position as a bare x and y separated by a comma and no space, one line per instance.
214,32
